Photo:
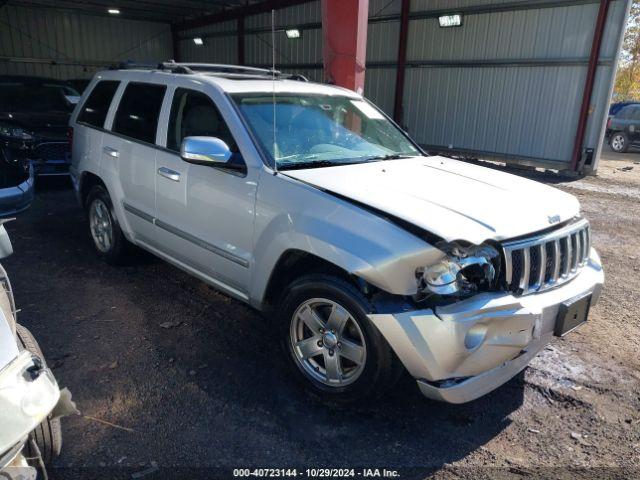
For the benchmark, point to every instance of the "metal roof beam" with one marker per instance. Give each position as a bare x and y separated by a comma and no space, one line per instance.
234,14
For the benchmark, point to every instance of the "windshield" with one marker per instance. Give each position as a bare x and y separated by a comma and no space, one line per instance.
19,97
321,130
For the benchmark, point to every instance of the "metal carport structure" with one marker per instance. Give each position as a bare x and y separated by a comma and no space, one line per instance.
518,81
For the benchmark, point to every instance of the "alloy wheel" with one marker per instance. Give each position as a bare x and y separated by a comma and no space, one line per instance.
617,143
327,342
101,226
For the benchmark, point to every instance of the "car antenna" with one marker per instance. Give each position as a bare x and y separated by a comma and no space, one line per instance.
273,88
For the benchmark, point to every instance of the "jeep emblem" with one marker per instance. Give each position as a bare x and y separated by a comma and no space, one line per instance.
554,218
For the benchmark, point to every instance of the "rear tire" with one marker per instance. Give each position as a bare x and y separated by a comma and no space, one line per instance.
619,142
104,228
337,351
47,435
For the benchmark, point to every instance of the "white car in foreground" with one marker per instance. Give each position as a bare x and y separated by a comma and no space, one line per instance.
31,403
304,200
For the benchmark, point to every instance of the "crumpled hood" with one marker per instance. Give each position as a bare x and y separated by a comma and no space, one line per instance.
451,199
44,124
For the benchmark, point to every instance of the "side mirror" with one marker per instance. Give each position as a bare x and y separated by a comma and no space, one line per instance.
205,151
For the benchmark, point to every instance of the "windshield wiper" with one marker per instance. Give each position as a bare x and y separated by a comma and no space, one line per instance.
393,156
302,165
333,163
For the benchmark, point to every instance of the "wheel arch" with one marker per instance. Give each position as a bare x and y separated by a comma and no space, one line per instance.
295,263
88,180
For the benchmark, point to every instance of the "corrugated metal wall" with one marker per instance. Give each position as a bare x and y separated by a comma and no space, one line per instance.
303,55
508,83
220,44
80,44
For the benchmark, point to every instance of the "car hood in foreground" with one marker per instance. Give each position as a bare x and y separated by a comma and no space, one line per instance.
451,199
46,124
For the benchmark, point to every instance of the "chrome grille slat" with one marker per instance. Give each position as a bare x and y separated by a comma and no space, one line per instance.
588,235
528,268
508,267
542,272
556,261
578,249
568,255
576,252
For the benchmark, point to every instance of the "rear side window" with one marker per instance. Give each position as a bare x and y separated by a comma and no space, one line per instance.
636,113
94,111
625,113
138,112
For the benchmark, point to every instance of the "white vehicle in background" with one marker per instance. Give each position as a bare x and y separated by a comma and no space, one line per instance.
304,200
31,403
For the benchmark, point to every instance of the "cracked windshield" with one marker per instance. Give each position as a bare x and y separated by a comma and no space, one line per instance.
322,130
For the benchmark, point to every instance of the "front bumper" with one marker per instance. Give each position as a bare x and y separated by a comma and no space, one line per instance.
28,393
15,199
462,351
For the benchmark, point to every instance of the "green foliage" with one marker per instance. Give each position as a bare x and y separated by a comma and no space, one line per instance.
628,76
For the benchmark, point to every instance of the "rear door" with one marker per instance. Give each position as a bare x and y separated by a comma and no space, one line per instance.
89,127
621,121
129,155
204,213
634,125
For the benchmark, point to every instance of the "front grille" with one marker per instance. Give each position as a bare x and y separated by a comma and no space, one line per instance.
51,151
539,263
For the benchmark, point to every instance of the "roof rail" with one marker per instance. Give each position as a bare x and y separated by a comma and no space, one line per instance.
191,68
221,68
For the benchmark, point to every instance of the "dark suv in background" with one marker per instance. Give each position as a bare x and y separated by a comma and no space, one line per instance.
34,117
623,130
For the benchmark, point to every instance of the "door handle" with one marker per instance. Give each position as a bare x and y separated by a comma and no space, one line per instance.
168,173
112,152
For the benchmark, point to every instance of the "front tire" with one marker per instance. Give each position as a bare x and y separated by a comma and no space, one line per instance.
104,228
619,142
338,353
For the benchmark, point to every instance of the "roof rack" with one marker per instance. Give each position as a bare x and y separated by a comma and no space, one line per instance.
192,68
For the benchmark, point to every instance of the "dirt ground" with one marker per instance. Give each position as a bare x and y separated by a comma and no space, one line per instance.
170,374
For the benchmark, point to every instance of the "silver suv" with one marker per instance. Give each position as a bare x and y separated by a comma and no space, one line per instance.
304,200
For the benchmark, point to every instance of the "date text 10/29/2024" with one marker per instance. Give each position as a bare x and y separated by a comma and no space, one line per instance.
316,472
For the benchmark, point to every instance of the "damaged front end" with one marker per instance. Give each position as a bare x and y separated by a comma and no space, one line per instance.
28,394
467,330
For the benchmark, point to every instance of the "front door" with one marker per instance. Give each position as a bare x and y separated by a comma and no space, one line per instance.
205,214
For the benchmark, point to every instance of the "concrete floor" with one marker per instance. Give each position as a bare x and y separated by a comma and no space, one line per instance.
214,393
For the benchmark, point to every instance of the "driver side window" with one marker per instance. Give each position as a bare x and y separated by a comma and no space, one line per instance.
193,114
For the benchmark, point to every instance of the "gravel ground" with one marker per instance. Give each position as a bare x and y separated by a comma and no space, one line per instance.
187,377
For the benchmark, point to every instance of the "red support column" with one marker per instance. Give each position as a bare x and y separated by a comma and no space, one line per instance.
344,42
601,22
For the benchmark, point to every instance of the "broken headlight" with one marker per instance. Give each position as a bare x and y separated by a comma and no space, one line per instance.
463,271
